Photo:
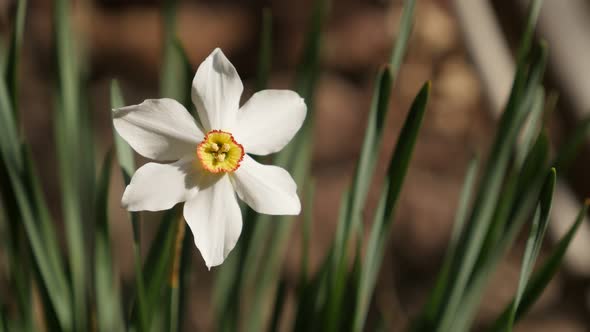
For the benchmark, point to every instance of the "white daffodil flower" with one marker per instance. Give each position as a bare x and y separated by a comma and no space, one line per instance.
211,163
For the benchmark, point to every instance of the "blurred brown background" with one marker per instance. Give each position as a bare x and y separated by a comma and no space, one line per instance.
122,39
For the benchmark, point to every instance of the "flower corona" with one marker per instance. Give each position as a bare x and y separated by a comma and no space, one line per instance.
219,152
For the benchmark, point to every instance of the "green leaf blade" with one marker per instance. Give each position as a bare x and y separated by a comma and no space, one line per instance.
541,278
108,305
396,173
14,55
533,246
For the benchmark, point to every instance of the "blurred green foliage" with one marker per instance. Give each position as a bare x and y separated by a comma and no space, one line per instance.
79,291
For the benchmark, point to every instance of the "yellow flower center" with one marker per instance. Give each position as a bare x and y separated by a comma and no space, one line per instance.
219,152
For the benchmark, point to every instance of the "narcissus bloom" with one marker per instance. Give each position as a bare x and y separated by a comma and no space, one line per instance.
211,161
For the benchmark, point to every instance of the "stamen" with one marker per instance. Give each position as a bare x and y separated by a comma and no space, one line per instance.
220,157
219,152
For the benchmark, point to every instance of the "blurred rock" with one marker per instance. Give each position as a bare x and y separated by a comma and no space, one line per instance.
7,15
436,31
455,98
130,40
411,78
341,110
424,222
359,42
457,82
551,323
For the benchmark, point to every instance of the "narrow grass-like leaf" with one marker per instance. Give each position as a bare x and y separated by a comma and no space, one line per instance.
568,150
127,164
58,290
372,140
532,126
519,198
464,202
14,55
108,305
351,218
279,304
69,123
13,247
366,164
67,61
149,312
160,259
529,30
3,321
306,231
396,173
174,279
265,52
533,169
295,157
398,166
308,68
185,278
365,167
123,150
3,57
10,156
72,217
19,280
313,295
47,232
401,43
232,274
349,302
310,300
458,226
9,139
266,286
541,278
472,240
21,182
174,78
376,121
366,284
248,258
270,270
533,246
184,60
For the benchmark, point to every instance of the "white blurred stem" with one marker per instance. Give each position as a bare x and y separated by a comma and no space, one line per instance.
565,25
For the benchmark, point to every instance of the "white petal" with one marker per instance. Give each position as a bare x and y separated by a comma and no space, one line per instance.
159,129
215,220
269,120
266,189
156,187
216,92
